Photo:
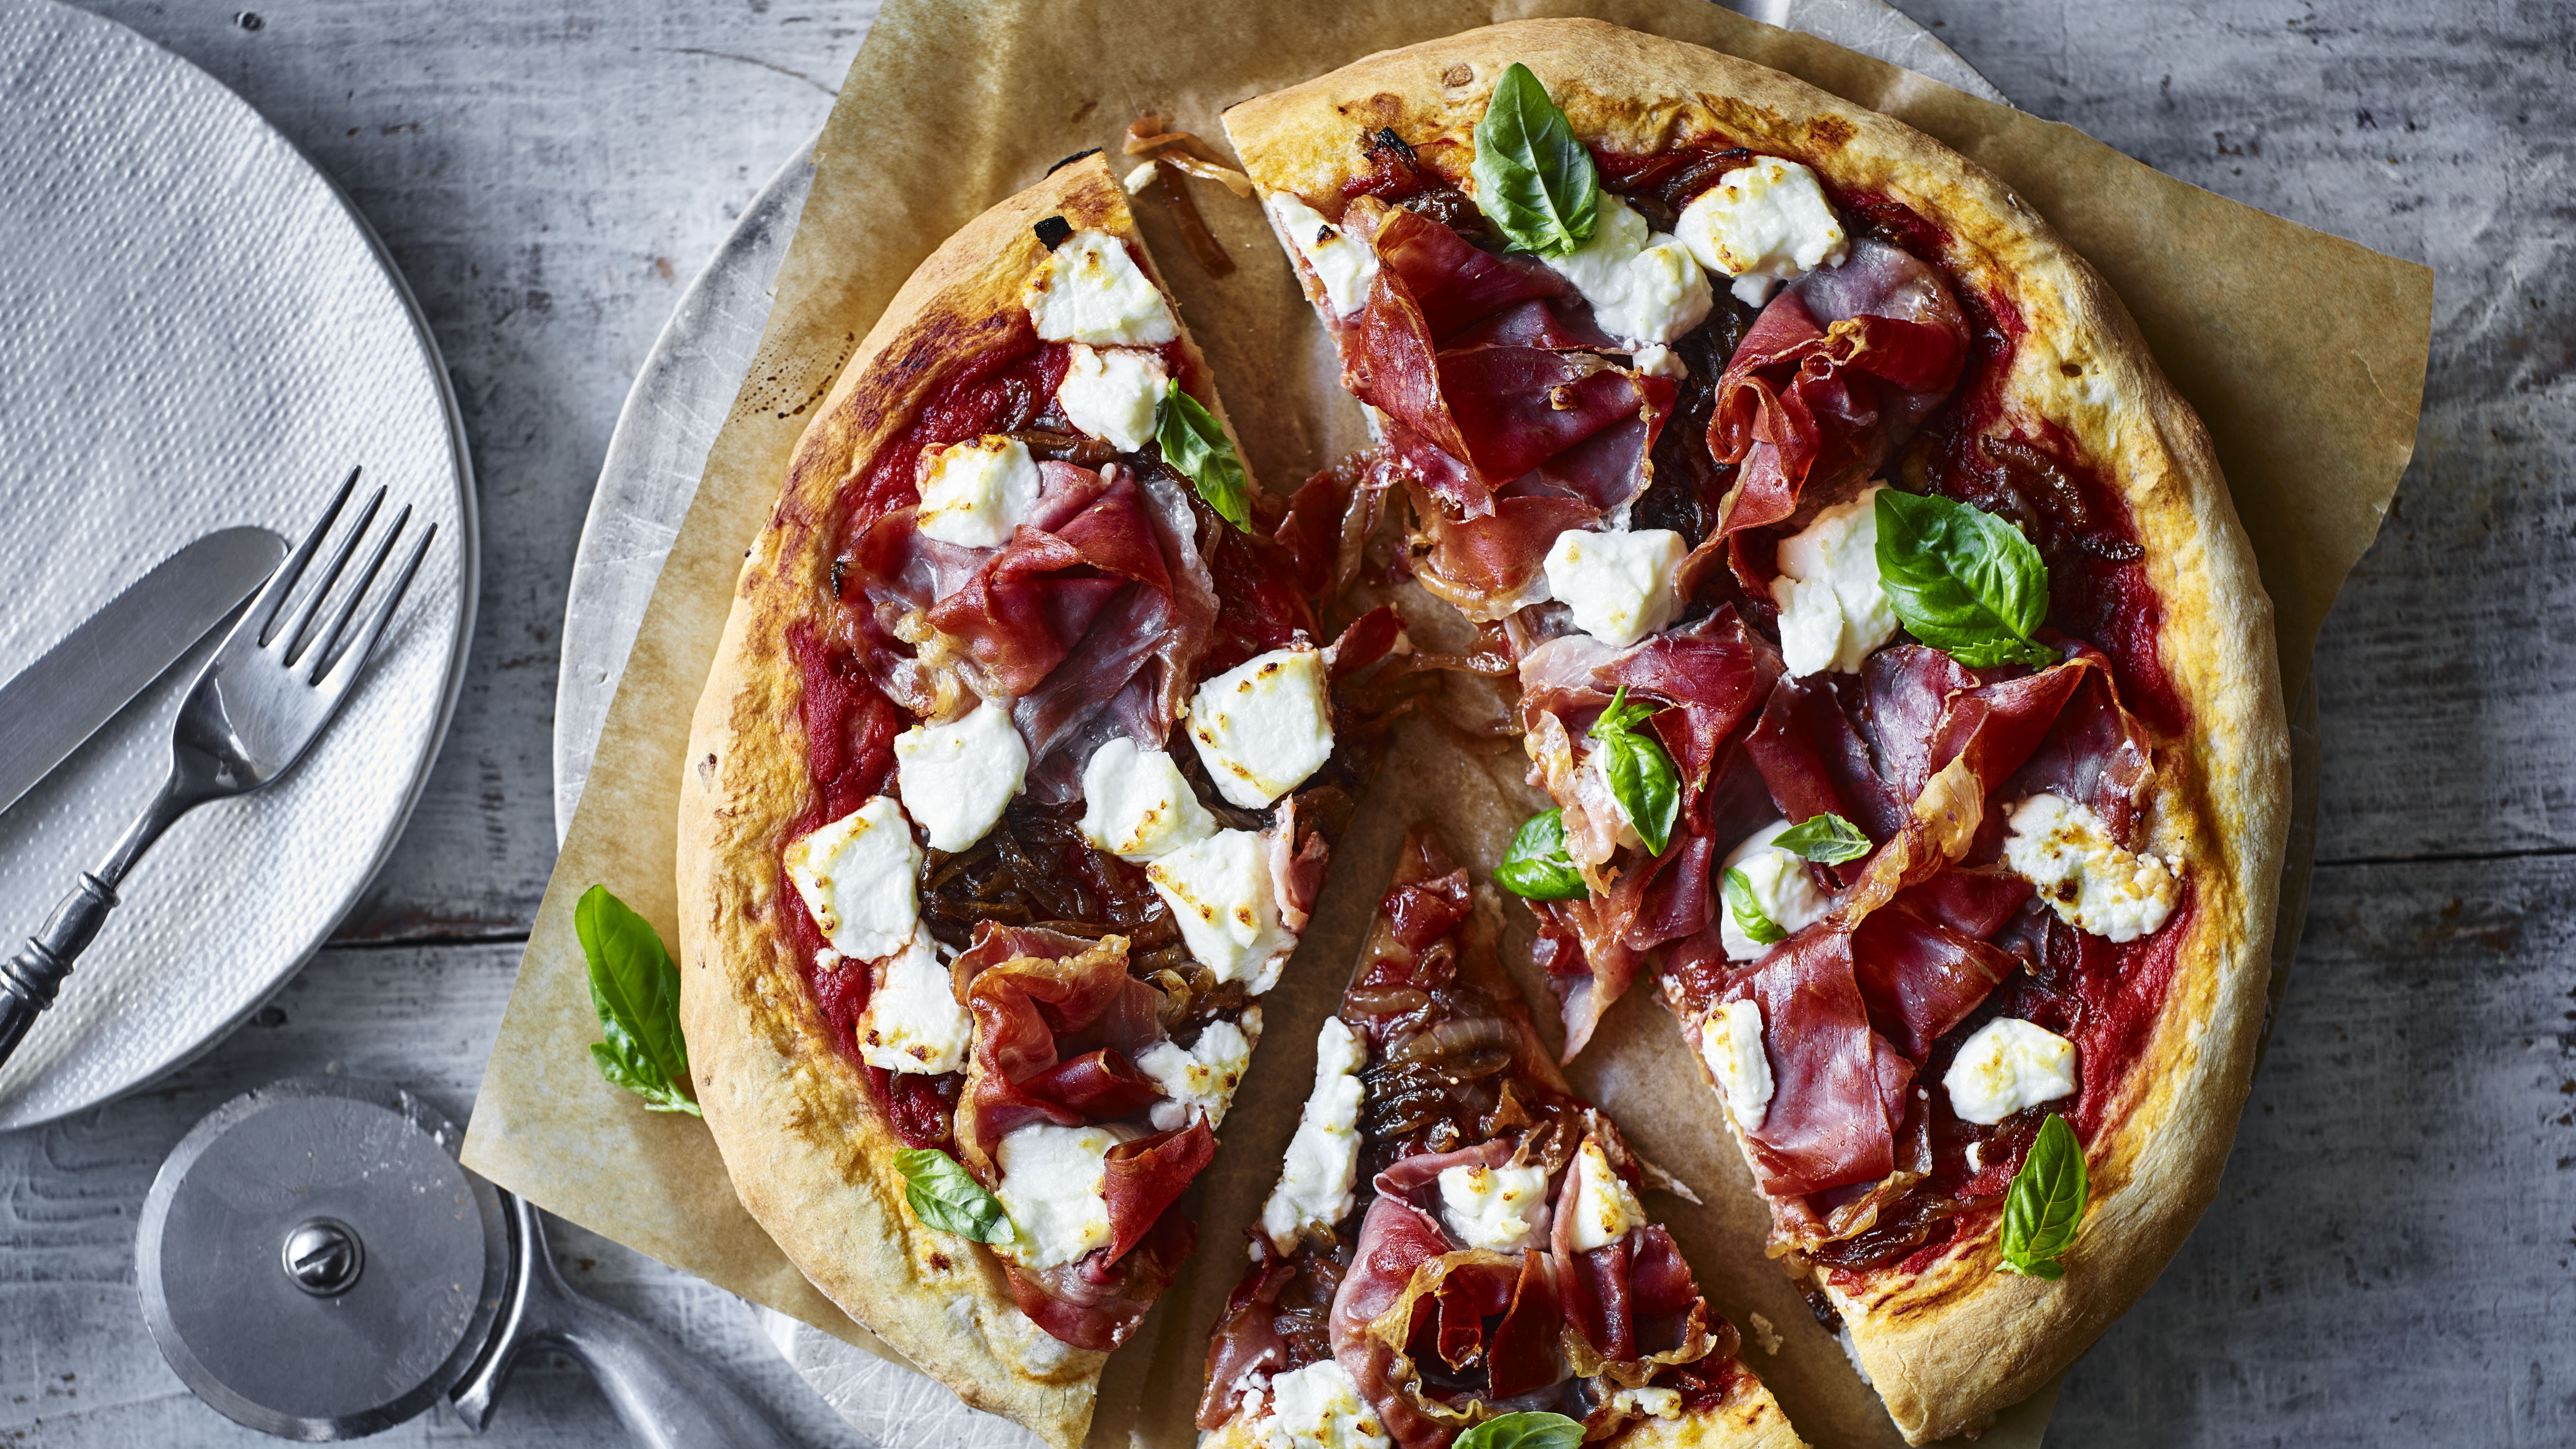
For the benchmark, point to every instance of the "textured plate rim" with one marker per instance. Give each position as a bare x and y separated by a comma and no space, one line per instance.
460,642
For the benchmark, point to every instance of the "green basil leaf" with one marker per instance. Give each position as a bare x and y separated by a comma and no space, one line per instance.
635,988
1537,866
944,1195
1194,443
2046,1203
1643,782
1534,181
1828,839
1758,928
1962,580
1526,1430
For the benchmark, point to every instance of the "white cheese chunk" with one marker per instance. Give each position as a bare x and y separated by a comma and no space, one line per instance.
856,875
913,1021
1621,585
1263,726
1221,892
1051,1182
1762,225
1138,179
1604,1209
1832,611
1730,1041
1111,393
1090,290
1343,267
1322,1164
2006,1065
1136,804
2065,850
957,778
1644,288
1781,884
1660,361
974,493
1199,1078
1319,1407
1649,1403
1494,1208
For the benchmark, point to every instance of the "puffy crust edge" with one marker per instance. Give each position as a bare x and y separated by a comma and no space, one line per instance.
809,1153
1951,1345
1749,1418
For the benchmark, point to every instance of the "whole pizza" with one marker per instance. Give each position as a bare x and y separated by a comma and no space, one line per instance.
1875,622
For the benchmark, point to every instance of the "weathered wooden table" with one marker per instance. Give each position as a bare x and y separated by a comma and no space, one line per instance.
2389,1262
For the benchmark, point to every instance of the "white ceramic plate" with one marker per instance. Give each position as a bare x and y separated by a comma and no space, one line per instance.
196,331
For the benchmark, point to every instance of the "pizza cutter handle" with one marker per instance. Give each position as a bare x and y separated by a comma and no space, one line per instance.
666,1398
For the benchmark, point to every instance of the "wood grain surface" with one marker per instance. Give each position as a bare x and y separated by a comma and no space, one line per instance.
2389,1260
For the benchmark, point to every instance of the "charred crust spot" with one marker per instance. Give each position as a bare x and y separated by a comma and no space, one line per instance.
1387,138
1458,75
2070,369
1069,160
1052,230
939,1263
1830,133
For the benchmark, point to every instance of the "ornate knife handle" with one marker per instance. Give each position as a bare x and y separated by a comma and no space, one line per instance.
29,979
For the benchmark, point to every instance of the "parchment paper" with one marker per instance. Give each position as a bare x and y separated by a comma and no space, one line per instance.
2304,353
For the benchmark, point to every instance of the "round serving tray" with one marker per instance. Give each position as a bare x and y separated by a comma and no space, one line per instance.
201,333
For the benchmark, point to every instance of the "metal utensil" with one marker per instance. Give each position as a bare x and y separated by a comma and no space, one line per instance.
251,714
54,704
316,1264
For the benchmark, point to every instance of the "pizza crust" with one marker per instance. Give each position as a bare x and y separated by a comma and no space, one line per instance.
1948,1347
808,1151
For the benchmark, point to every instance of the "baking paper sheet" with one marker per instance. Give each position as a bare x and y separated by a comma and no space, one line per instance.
2304,353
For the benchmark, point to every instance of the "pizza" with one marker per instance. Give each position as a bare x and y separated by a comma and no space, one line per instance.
1009,791
1455,1235
1887,647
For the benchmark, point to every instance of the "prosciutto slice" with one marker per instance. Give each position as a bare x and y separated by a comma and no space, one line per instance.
1838,369
1839,1091
1499,402
1095,1303
1712,674
1033,991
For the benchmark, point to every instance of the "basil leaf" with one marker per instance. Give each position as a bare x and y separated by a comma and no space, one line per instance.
1194,442
2046,1203
1643,782
1826,838
1526,1430
1962,580
944,1195
1758,928
635,988
1534,181
1537,866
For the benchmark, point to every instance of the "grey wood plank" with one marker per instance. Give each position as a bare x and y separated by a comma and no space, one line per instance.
2388,1258
2438,134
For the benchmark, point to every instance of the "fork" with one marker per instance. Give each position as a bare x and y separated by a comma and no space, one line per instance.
255,708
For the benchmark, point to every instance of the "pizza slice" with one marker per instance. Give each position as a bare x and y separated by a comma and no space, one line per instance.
1886,644
1010,788
1455,1237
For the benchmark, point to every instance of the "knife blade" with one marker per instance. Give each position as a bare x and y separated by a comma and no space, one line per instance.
79,684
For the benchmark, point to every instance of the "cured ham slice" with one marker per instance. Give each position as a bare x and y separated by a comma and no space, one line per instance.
1494,1255
1839,368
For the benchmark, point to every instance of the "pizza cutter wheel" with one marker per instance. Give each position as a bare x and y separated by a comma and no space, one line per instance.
316,1264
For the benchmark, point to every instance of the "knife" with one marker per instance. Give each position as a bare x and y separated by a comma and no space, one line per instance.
80,683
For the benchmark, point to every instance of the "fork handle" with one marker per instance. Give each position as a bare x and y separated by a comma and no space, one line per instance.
29,979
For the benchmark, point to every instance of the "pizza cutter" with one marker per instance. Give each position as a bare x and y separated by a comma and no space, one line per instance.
316,1264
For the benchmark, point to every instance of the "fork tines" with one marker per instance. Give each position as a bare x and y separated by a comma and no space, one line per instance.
334,653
